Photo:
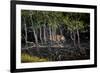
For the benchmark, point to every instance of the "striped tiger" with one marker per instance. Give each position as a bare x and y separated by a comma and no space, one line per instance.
57,38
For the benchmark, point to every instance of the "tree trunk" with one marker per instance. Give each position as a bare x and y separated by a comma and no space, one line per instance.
36,41
61,31
41,35
50,35
73,37
25,32
78,38
35,36
25,27
44,33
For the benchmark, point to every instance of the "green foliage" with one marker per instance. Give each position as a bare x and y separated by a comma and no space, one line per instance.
28,58
53,19
73,21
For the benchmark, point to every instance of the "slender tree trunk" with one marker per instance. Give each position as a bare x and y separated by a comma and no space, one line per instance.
44,30
49,45
41,35
50,34
78,38
55,35
61,31
73,37
36,41
25,32
35,36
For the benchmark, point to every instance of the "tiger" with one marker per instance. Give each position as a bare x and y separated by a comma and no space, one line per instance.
57,38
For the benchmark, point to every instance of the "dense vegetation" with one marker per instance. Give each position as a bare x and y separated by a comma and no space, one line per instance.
54,36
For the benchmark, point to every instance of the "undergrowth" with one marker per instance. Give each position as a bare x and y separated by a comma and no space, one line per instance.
28,58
